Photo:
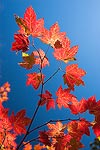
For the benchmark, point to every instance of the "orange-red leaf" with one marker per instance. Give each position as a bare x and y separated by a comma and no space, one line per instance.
53,35
35,26
63,97
93,106
19,122
77,107
21,43
35,79
29,61
73,76
47,99
56,129
29,25
65,53
78,128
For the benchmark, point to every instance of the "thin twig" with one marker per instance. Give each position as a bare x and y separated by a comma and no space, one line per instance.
52,75
50,121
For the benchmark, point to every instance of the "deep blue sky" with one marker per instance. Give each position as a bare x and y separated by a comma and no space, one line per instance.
80,19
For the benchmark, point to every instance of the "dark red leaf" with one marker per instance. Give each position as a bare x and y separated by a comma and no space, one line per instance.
21,43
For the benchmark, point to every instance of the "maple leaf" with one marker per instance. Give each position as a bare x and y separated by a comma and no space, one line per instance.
21,43
62,143
19,122
56,130
73,76
29,60
77,107
27,146
78,128
35,79
65,53
53,35
29,25
47,99
63,97
93,106
40,58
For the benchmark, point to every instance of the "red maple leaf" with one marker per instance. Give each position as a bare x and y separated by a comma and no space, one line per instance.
35,79
78,128
73,76
21,43
47,99
30,25
63,142
19,122
93,106
63,97
77,107
65,53
40,58
56,130
53,35
29,61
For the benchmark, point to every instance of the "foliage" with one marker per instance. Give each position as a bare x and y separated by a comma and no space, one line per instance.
59,135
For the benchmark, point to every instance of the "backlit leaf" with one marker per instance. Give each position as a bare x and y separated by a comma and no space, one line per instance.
73,76
19,122
35,79
65,53
53,35
77,107
63,97
21,43
47,99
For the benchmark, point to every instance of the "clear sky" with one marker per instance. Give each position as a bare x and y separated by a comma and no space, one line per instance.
80,19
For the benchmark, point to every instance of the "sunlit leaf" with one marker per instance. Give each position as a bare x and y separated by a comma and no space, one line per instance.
73,76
